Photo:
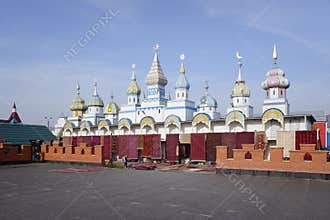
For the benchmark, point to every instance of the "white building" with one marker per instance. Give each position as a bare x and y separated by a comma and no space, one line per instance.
157,114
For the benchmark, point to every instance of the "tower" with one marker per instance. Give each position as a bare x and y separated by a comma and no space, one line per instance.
182,85
133,90
275,86
208,104
181,106
78,106
156,81
240,94
111,111
95,107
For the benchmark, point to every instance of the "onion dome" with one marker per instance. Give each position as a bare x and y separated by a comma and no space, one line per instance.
240,88
96,99
133,87
156,75
275,76
207,100
182,81
112,107
78,104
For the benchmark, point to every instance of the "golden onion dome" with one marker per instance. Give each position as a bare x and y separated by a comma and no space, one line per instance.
240,89
133,87
112,107
78,104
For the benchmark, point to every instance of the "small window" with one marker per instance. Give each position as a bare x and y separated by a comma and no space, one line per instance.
182,95
138,112
158,111
245,100
273,92
267,93
97,109
237,100
138,100
281,92
177,95
129,100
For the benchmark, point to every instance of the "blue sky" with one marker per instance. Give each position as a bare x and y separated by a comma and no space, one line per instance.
36,34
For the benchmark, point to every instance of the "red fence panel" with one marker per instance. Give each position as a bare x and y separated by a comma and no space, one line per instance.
75,141
212,140
172,141
305,137
122,145
107,148
197,149
244,138
156,147
147,148
132,145
229,140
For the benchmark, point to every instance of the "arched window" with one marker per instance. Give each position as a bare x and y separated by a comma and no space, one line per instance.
182,95
158,111
248,155
308,156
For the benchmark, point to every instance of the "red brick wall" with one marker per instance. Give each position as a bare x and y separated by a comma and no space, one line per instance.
9,153
81,153
318,164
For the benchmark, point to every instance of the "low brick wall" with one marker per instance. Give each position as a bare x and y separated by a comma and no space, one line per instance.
79,154
305,160
12,154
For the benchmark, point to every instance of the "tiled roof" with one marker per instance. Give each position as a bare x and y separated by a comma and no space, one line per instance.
23,133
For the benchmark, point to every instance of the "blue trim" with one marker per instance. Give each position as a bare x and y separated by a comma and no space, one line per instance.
181,107
148,108
192,102
162,99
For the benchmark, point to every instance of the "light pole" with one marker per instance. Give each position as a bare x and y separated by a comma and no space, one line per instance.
48,118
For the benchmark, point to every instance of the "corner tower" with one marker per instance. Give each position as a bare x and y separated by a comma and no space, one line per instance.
240,95
275,86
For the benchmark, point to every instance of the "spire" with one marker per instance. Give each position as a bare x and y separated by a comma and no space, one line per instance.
95,89
239,57
206,87
275,55
182,69
14,108
156,48
111,96
133,73
78,89
156,75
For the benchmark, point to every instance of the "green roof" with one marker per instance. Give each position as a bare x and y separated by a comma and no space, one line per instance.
23,133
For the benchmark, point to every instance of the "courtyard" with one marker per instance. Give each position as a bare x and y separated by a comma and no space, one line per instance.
64,191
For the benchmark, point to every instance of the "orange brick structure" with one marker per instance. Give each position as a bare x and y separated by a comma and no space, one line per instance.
305,160
12,154
81,154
